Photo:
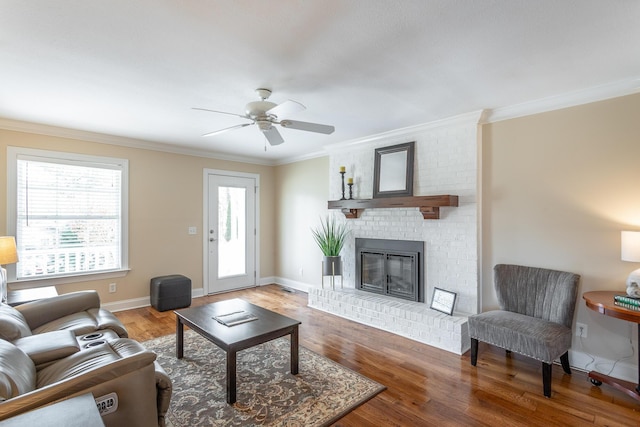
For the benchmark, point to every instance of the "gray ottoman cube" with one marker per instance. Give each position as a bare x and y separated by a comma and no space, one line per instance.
170,292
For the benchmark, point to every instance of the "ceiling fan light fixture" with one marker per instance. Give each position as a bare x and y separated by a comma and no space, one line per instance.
264,125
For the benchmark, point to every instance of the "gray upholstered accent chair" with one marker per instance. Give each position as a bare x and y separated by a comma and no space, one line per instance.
535,316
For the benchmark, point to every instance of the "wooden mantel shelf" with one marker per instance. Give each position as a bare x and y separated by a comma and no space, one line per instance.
429,205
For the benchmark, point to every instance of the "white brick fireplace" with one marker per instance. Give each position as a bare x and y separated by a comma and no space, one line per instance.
446,162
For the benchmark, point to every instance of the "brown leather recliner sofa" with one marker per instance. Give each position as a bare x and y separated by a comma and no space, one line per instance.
79,312
65,346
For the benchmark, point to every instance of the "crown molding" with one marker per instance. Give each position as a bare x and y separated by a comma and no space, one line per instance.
569,99
295,159
472,118
565,100
101,138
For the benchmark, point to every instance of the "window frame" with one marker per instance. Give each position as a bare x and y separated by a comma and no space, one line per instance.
13,154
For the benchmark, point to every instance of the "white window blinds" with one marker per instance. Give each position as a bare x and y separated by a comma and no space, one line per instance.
69,215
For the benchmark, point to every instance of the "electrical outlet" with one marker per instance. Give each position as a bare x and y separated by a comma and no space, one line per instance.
193,230
112,288
581,330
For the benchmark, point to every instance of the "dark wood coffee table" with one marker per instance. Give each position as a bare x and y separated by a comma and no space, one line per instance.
233,339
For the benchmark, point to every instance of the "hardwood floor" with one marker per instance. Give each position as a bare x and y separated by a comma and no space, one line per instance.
427,386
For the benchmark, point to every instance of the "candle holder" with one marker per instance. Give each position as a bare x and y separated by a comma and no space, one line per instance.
350,191
342,173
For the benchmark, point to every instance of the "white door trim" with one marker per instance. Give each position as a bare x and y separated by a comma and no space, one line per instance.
205,225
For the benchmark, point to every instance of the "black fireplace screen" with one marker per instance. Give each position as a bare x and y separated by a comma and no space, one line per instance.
391,267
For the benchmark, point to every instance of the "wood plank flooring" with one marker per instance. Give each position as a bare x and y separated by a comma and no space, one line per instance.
427,386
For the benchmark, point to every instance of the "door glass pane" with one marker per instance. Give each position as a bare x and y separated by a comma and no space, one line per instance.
231,231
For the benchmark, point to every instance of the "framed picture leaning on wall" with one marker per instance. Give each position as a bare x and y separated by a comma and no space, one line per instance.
443,301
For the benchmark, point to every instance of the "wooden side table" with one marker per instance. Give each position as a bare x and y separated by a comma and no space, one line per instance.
602,302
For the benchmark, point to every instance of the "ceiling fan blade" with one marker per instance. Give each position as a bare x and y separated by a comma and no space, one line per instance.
310,127
286,108
273,136
227,129
221,112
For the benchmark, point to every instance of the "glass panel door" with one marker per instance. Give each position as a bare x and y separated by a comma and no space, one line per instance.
230,233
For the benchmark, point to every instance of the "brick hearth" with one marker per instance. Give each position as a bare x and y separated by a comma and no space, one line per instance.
407,318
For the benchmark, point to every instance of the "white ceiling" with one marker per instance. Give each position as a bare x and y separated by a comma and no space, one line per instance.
135,68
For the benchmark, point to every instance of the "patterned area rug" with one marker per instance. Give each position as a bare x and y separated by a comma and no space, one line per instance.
268,394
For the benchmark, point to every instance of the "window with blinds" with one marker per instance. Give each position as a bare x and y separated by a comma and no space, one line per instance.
69,215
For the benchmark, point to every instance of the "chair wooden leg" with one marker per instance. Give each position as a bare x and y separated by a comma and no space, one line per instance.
546,379
564,359
474,351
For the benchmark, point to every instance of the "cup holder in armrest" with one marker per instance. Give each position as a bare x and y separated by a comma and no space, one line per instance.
96,338
92,337
94,343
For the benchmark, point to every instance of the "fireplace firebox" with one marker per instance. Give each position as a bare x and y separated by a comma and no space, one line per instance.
391,267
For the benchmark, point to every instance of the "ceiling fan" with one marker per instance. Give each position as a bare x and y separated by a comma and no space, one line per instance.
266,114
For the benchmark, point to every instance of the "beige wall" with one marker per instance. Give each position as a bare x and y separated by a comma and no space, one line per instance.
165,198
558,188
303,192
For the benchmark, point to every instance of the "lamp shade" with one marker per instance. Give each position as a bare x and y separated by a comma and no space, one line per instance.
8,252
630,246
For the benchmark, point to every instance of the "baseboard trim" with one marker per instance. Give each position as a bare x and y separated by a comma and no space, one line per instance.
585,362
293,284
129,304
264,281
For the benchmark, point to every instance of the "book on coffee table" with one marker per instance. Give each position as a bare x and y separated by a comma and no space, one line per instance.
235,318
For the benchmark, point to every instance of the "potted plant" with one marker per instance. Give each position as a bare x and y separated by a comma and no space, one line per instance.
330,237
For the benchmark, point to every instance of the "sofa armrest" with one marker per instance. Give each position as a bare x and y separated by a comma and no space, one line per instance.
46,348
129,375
37,313
107,320
164,390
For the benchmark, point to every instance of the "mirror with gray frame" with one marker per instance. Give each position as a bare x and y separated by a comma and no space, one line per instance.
393,171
